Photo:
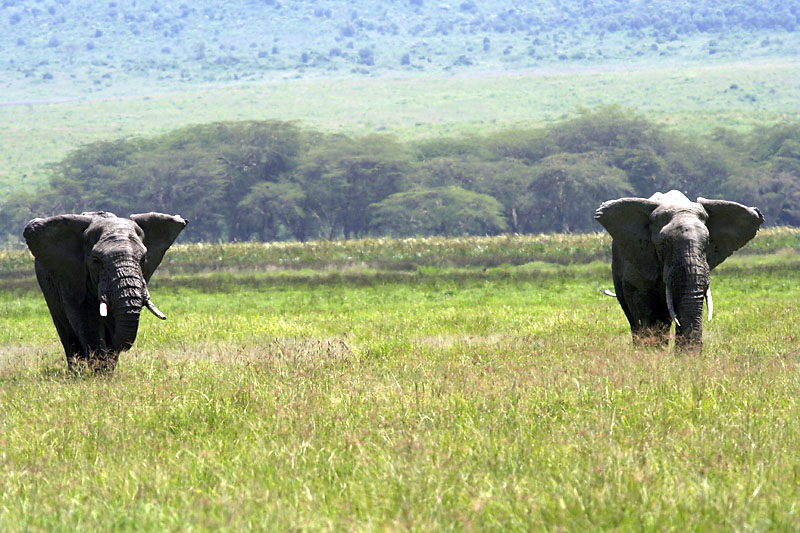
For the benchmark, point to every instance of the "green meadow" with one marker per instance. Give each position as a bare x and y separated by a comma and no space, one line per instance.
691,97
424,384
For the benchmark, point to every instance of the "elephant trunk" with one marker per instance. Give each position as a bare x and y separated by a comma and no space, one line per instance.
122,293
686,284
125,329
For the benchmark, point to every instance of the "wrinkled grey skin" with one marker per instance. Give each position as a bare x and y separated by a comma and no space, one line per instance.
663,248
97,263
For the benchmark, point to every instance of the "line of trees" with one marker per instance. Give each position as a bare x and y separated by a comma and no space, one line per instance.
272,180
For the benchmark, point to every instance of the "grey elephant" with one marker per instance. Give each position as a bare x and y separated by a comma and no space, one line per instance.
663,249
93,270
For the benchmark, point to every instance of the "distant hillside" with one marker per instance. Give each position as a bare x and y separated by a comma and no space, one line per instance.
71,48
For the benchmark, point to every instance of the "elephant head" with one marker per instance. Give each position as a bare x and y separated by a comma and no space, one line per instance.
663,250
93,270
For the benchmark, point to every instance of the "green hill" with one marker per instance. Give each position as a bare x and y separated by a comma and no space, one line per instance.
72,48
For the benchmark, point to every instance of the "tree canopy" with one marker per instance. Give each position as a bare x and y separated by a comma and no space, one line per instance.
273,180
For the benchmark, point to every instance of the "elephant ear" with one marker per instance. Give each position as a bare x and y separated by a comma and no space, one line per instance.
160,231
57,243
730,226
628,222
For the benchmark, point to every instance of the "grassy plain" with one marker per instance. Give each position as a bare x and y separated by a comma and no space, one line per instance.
692,97
447,396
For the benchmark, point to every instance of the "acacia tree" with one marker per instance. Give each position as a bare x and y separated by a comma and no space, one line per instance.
605,129
342,176
251,152
503,180
271,180
564,191
88,178
186,181
277,209
447,210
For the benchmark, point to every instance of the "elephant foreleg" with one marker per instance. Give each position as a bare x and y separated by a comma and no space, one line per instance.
647,314
75,353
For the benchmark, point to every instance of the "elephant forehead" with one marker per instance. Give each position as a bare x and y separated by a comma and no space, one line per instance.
685,227
686,211
113,232
110,225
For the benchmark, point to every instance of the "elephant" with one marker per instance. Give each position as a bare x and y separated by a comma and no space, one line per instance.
662,252
93,270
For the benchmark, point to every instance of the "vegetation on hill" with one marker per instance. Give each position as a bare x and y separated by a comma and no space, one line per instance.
272,180
77,46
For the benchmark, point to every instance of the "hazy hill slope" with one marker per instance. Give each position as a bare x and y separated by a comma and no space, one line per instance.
71,47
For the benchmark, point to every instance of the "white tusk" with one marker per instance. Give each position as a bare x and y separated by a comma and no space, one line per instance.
608,293
671,307
709,303
103,309
153,309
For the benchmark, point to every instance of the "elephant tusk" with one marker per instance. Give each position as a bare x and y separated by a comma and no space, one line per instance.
709,303
103,309
153,309
671,308
605,291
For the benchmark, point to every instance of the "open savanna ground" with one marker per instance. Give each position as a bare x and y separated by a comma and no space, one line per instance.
420,383
692,97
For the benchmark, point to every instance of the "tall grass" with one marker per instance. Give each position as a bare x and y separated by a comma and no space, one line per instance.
436,399
395,254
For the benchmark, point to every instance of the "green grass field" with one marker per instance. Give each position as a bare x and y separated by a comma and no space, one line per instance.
376,395
692,97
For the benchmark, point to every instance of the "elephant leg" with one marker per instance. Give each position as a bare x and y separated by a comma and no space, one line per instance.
104,359
84,335
647,314
689,340
72,346
619,289
74,349
624,291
